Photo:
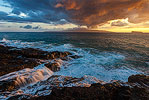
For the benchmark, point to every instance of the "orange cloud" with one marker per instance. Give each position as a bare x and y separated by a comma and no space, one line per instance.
95,12
58,5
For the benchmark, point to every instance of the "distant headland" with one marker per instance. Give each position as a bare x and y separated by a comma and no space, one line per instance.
136,32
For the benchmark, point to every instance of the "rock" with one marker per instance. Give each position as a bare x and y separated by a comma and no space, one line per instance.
96,92
143,80
53,66
57,54
15,64
45,87
75,56
69,88
19,97
8,85
109,91
14,59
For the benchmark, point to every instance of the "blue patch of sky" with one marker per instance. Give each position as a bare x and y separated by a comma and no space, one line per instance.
5,7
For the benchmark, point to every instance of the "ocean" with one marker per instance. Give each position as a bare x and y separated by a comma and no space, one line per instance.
106,56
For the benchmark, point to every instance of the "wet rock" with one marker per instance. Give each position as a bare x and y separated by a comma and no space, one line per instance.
143,80
75,56
14,59
69,88
19,97
109,91
53,66
57,54
96,92
8,85
15,64
45,87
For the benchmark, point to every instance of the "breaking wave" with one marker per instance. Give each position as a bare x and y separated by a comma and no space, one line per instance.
28,76
105,66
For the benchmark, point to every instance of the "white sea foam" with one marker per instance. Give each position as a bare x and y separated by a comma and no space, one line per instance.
95,65
100,65
40,44
92,66
45,87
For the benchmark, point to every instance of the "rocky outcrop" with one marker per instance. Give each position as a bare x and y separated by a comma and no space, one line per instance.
14,59
45,87
109,91
143,80
68,88
60,87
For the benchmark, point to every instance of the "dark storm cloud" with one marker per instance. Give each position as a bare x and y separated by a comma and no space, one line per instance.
36,10
81,12
6,17
30,27
94,12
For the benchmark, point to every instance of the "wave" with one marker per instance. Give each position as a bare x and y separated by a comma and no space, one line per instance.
96,66
105,66
37,45
28,76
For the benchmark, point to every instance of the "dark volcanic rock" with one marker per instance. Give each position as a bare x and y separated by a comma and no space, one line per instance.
8,85
14,59
19,97
140,79
97,92
57,54
75,56
53,66
109,91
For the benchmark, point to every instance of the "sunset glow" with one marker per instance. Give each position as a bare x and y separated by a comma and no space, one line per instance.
63,15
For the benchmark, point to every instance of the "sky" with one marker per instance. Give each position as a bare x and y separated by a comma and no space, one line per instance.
68,15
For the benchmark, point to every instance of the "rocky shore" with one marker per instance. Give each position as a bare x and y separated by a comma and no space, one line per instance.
137,88
62,87
14,59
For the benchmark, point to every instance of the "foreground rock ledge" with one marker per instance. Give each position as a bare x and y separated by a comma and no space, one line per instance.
14,59
131,90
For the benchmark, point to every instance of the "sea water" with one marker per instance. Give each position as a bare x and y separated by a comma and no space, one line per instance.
106,56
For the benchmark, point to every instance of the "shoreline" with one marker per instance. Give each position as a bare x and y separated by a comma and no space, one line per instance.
14,59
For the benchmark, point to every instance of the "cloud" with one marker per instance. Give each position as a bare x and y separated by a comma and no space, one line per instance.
119,23
43,11
80,12
26,27
37,27
94,12
30,27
